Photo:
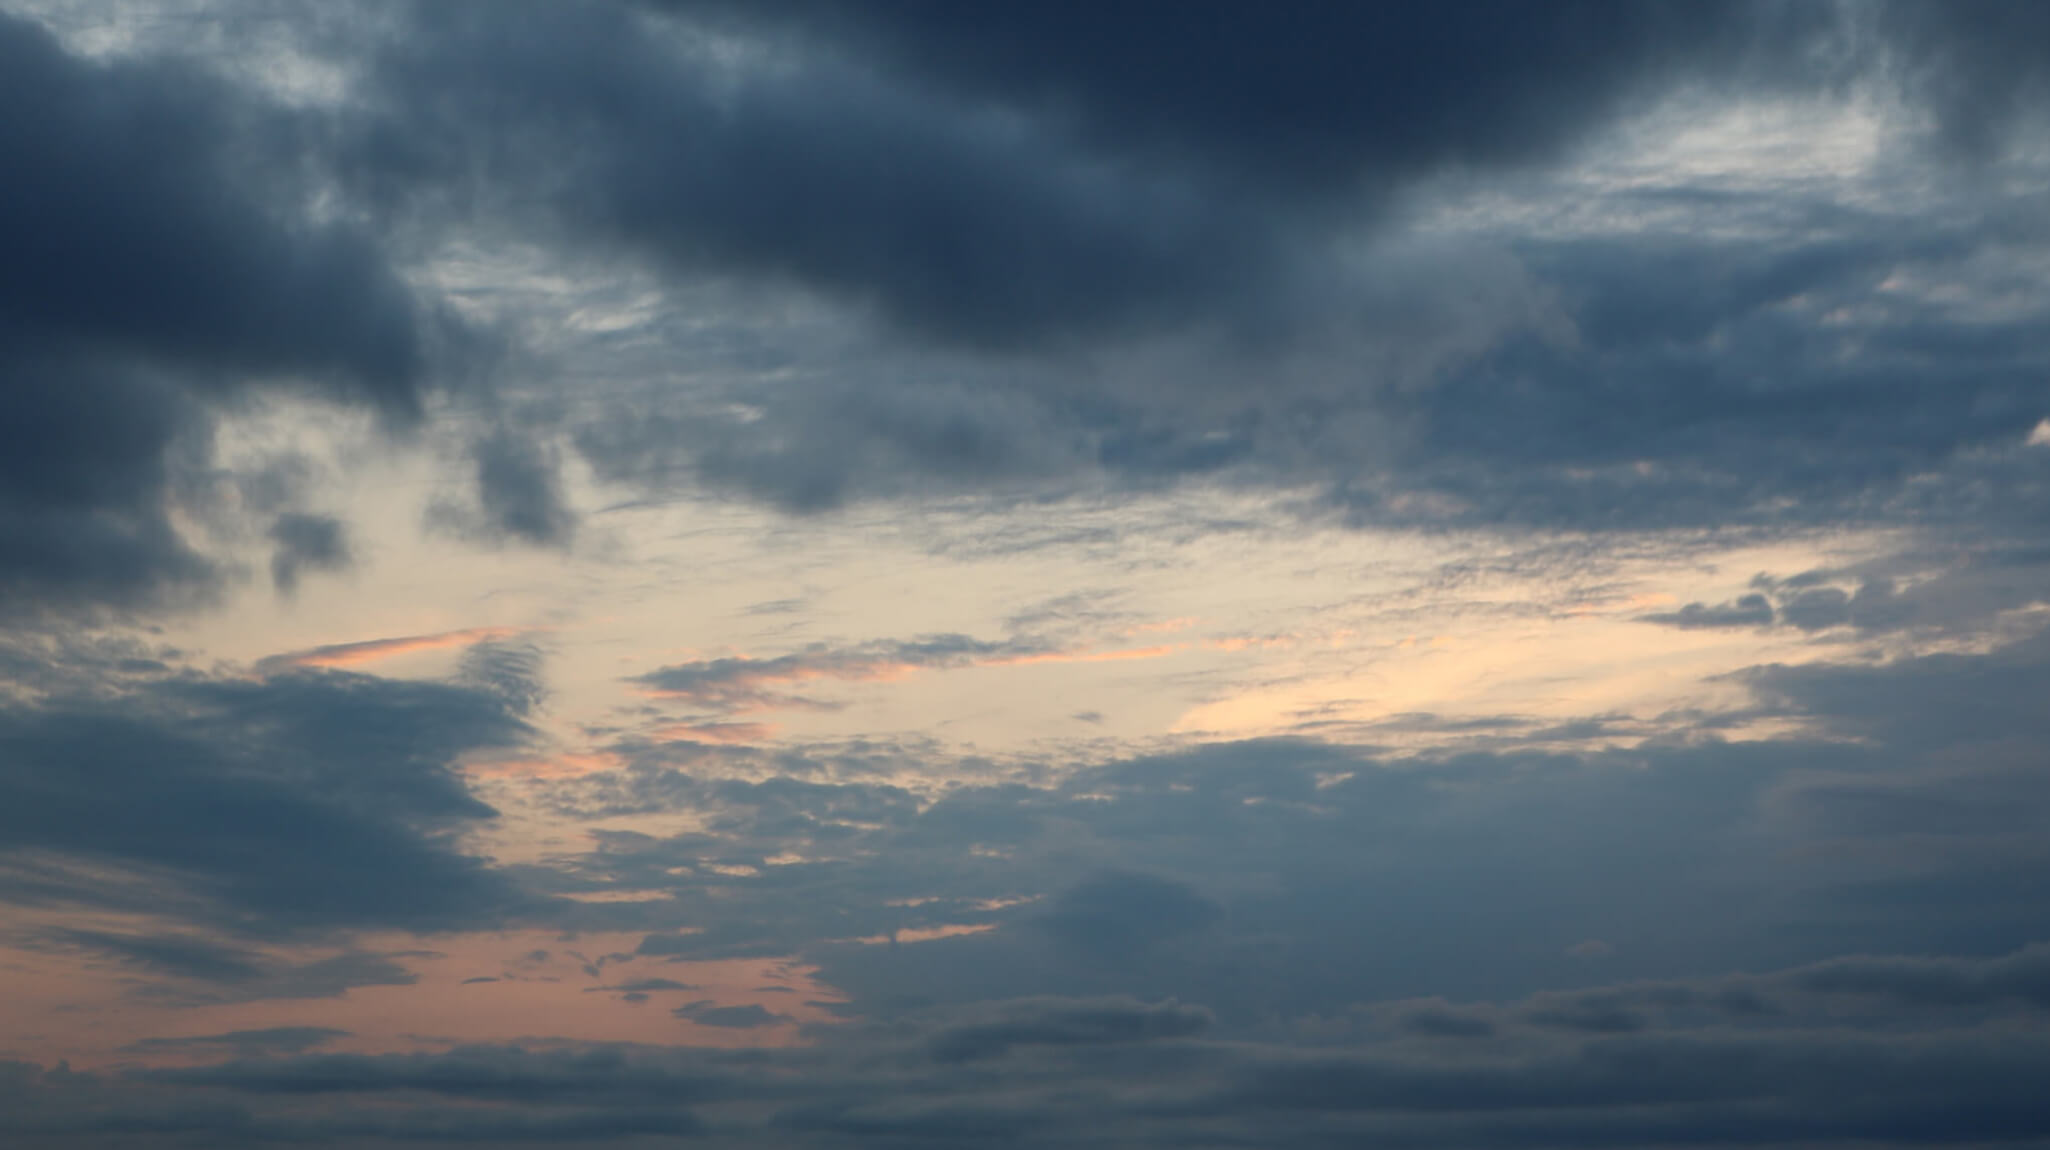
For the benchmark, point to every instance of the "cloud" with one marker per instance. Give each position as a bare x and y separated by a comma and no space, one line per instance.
1978,68
1752,610
739,683
644,985
1077,263
370,650
307,800
207,971
182,957
978,228
244,1043
1313,95
748,1017
1063,1022
1925,982
136,181
743,683
306,543
1893,814
1623,273
519,495
1124,913
1146,1074
1924,589
511,670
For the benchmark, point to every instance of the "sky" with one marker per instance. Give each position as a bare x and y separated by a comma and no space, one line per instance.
819,574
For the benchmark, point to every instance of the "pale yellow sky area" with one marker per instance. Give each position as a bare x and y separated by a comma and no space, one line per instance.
1157,634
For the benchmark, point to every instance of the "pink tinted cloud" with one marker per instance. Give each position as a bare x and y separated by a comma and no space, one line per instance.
371,650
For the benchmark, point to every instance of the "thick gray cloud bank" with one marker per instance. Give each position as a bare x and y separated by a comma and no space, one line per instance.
1122,244
1137,242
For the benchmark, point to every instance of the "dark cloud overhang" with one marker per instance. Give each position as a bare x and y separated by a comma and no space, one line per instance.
1111,169
160,259
966,227
303,802
1022,184
149,214
1325,100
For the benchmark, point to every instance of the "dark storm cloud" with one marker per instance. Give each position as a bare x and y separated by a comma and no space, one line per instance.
84,472
967,225
1055,191
143,220
306,800
1115,169
155,259
1329,100
1044,190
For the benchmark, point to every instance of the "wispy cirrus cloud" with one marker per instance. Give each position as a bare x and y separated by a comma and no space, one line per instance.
738,684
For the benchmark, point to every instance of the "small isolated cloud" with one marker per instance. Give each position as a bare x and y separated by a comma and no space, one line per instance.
749,1017
306,543
1753,610
519,489
516,495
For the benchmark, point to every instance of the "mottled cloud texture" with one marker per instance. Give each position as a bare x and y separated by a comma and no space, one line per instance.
815,574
